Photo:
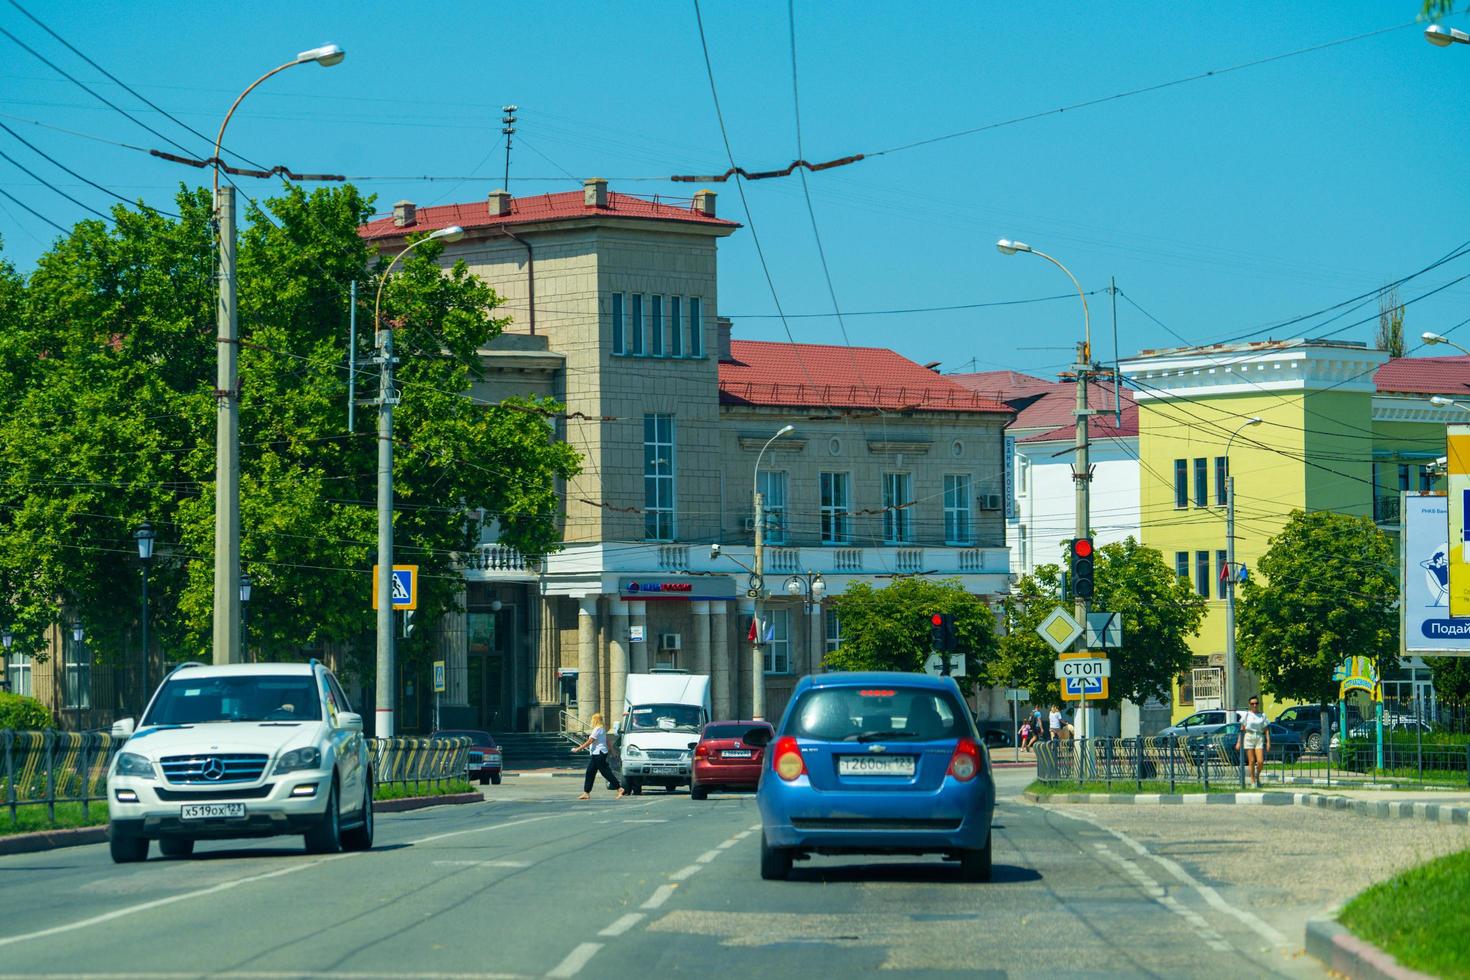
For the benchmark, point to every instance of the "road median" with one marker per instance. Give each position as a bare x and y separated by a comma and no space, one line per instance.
1444,813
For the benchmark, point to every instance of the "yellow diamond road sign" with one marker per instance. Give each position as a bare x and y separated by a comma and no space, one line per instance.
1059,629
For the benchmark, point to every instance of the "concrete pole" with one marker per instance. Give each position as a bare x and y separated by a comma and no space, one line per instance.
719,655
1082,477
757,659
387,686
586,657
1229,691
226,646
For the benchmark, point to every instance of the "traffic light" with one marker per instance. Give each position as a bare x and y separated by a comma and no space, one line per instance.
407,623
1082,554
941,632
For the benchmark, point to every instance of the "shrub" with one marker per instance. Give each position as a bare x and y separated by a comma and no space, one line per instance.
24,713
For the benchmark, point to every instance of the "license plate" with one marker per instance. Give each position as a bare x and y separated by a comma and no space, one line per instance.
208,811
875,765
735,754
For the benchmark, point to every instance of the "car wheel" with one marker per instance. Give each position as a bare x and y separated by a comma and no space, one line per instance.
775,861
975,864
635,787
360,838
176,847
1314,742
326,837
495,779
484,778
125,848
698,793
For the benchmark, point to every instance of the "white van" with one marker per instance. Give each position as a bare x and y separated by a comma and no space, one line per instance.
663,714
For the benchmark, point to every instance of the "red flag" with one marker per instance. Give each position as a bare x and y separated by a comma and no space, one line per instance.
751,635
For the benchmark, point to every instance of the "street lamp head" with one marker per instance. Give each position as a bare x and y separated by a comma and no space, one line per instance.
7,638
327,55
819,588
785,429
451,234
144,536
1431,338
1008,247
793,586
244,587
1438,36
1252,421
77,633
1440,401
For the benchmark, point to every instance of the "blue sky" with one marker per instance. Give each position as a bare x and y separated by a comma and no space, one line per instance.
1220,206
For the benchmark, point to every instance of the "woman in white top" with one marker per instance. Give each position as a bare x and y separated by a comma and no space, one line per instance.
596,746
1255,737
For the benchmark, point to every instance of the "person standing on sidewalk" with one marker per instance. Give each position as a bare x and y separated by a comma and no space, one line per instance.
1054,723
1255,738
596,746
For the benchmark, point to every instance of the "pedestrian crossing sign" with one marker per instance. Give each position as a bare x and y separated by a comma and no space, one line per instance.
405,586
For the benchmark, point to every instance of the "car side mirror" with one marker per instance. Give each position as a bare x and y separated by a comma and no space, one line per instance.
759,738
693,744
123,728
349,720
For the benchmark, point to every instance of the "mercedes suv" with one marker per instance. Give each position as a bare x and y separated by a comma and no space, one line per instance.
244,750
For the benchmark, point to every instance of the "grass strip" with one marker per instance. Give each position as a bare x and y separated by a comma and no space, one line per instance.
34,817
1121,786
402,791
1420,916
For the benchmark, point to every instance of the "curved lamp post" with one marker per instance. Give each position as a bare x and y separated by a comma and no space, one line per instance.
144,536
757,657
1431,339
386,686
1229,691
227,394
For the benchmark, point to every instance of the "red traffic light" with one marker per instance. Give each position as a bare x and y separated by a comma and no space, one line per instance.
937,619
1082,547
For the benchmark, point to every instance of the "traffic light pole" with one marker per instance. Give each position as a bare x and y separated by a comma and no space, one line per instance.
1082,478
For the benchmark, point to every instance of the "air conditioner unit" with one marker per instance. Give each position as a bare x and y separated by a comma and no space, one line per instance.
749,524
991,501
669,641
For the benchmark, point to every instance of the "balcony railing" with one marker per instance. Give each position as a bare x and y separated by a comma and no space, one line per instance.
1386,509
497,558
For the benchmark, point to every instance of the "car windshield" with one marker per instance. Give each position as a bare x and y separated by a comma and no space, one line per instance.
731,731
861,714
665,718
245,698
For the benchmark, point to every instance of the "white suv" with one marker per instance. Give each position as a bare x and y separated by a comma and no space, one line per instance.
245,750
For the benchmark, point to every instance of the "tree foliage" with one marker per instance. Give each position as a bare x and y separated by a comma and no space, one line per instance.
1451,680
1390,336
1326,590
888,628
1159,612
108,417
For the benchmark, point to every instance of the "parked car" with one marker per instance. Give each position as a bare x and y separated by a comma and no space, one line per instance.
1286,745
1393,725
1200,723
1306,721
241,750
484,761
996,734
876,763
729,755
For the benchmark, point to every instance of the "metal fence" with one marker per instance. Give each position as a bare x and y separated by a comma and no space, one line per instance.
407,759
51,767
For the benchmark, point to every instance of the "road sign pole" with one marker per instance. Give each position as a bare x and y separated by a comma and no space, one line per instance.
387,676
1082,477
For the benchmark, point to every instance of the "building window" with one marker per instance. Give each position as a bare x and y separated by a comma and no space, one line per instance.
1181,564
772,487
1202,573
1222,481
1222,563
835,508
77,664
619,328
1181,483
18,672
696,328
676,328
1201,482
656,325
658,477
833,624
1186,680
1403,476
778,646
898,517
1023,547
957,528
636,325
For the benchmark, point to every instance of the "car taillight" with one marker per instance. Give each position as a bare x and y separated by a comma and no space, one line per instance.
701,751
787,760
965,762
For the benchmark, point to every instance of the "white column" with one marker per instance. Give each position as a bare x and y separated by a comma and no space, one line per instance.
586,656
696,657
719,655
740,700
617,656
638,652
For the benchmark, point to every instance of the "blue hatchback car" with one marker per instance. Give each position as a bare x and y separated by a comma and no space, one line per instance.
876,763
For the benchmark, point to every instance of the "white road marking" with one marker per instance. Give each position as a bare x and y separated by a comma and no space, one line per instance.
753,828
660,895
575,960
647,819
486,864
261,975
726,844
707,857
622,924
170,900
742,835
688,871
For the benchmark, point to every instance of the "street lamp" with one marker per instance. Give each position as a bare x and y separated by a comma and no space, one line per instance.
244,606
1443,37
809,587
144,536
77,635
227,393
1430,339
6,638
1440,401
387,398
757,584
1230,565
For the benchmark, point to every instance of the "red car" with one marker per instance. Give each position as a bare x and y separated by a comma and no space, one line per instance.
729,754
484,759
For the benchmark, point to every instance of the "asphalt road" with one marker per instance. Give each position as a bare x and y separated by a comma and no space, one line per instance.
534,883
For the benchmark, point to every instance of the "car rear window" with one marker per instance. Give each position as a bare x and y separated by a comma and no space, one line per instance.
732,731
893,712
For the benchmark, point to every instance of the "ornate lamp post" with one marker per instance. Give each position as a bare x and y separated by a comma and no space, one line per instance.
144,537
244,628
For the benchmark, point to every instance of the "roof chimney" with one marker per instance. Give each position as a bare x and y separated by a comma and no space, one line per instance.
704,203
404,214
722,328
594,192
499,204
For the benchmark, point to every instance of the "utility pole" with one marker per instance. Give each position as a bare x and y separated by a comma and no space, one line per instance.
227,443
387,685
1229,687
508,127
1082,478
757,657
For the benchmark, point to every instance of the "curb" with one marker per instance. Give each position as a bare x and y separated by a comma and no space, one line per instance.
544,774
1383,809
1342,952
46,840
420,802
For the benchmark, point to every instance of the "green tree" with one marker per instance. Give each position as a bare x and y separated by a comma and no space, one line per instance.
1159,611
107,419
1451,680
1390,322
888,628
1326,590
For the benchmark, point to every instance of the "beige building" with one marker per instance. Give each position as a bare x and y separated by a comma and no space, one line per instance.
891,470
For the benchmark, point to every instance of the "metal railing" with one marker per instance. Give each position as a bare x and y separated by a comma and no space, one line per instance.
417,760
50,767
573,728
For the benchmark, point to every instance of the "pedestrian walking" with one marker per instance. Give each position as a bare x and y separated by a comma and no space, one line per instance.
596,746
1255,738
1054,723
